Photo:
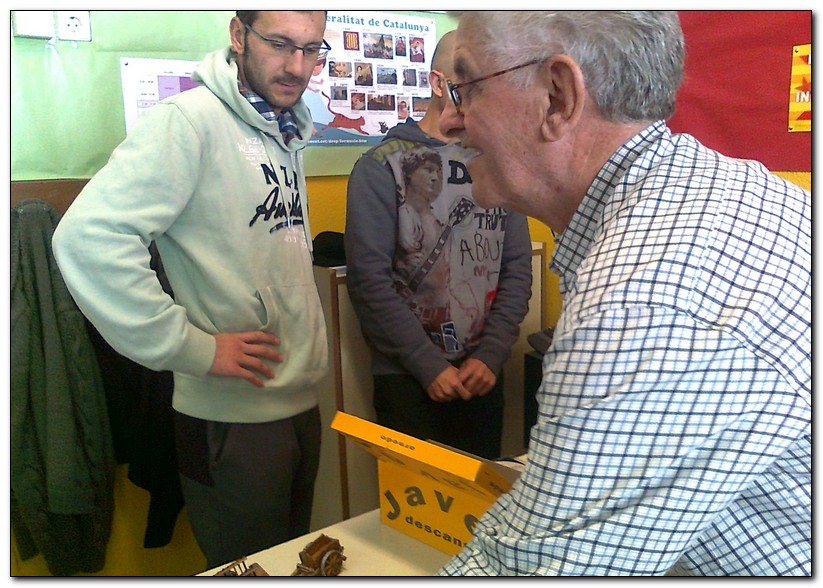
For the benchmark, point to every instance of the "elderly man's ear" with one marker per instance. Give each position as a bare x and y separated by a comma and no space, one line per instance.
564,94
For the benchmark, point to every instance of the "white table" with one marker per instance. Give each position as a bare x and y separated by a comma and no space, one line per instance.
371,549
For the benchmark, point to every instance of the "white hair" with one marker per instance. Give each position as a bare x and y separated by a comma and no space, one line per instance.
632,61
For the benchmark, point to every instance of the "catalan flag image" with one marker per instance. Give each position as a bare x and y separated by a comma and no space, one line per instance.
800,93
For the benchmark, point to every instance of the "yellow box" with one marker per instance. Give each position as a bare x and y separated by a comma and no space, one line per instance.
430,491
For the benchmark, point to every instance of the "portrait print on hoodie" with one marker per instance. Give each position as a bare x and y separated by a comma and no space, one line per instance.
448,249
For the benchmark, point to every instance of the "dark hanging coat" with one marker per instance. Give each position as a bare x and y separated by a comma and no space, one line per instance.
62,459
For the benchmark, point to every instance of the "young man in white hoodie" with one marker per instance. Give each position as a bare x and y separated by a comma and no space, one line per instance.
214,176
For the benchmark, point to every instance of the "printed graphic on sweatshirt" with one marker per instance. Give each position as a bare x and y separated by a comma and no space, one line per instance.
281,207
448,249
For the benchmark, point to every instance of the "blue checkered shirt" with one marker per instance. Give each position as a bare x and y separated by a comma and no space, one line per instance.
674,427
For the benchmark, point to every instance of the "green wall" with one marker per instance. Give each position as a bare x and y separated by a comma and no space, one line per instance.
67,102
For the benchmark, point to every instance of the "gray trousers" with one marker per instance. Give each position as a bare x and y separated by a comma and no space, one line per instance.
247,486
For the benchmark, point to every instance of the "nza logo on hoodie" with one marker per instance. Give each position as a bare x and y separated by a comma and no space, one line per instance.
281,205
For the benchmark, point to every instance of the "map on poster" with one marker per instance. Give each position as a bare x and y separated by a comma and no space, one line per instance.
376,75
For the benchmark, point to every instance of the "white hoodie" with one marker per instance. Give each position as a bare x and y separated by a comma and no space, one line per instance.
209,179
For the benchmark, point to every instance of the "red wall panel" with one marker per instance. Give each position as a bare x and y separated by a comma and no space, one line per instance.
735,95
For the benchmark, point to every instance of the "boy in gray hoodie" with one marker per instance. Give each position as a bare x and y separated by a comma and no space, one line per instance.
440,285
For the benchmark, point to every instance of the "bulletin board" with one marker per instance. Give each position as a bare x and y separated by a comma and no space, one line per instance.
747,89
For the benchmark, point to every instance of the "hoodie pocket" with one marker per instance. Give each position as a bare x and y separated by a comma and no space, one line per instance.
295,315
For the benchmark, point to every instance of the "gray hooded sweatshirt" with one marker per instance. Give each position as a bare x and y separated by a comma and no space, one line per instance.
433,277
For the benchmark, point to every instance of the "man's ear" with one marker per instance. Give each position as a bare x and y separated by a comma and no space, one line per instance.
237,31
565,94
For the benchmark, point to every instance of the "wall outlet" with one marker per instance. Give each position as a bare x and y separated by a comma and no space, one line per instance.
73,25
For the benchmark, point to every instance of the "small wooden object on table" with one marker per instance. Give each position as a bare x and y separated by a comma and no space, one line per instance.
322,557
239,568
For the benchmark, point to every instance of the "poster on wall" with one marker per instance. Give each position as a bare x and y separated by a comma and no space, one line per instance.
146,82
376,75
